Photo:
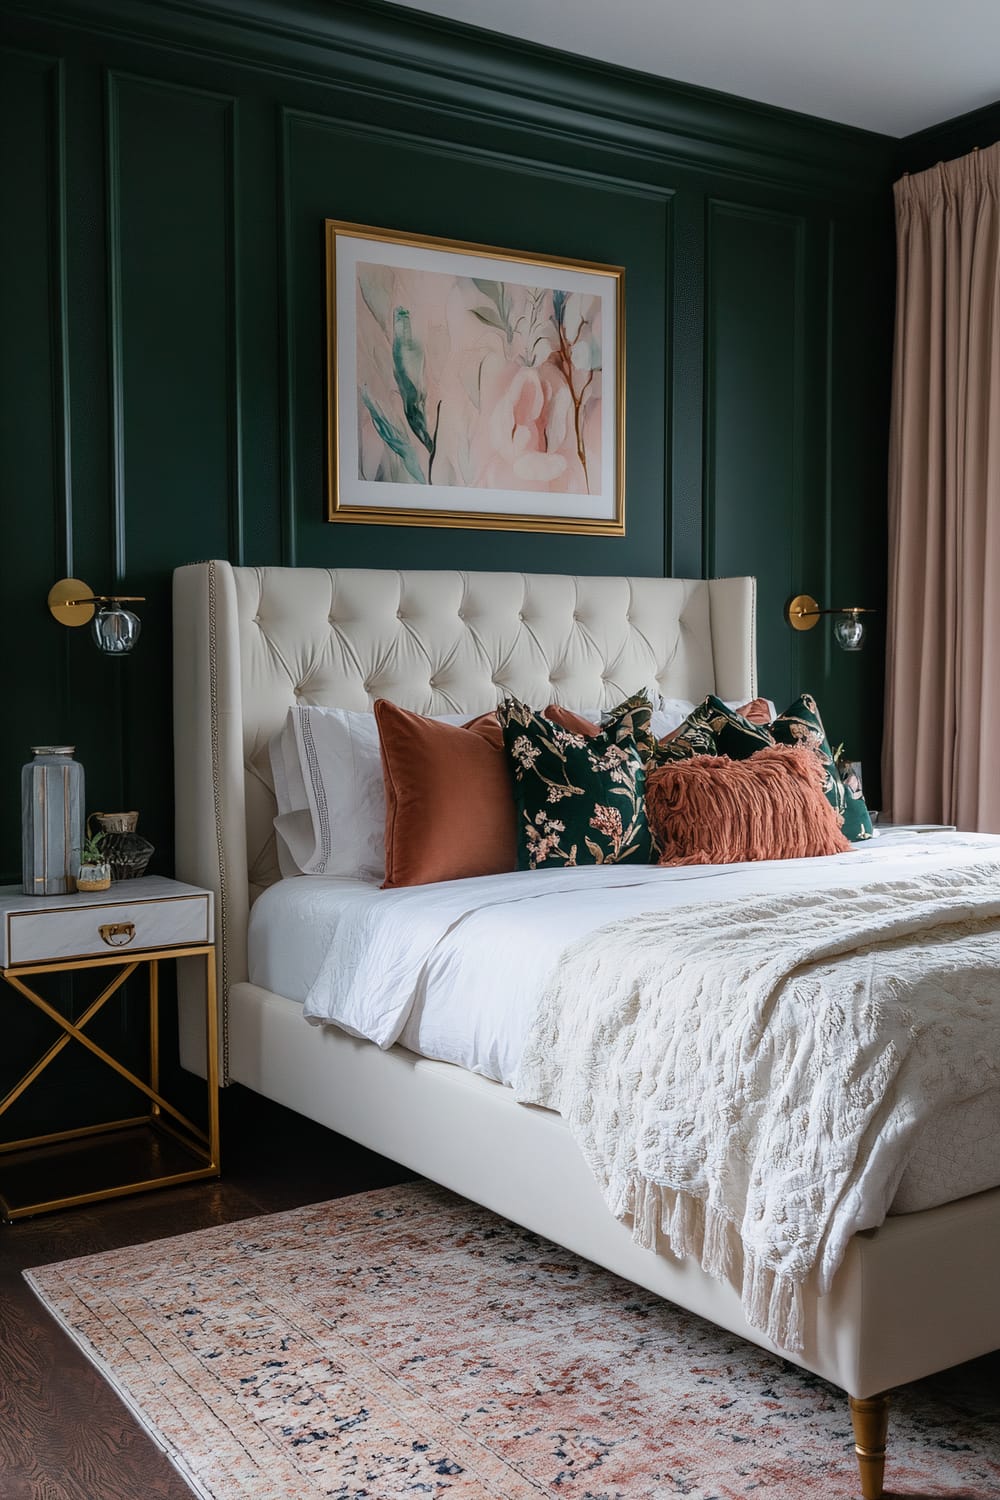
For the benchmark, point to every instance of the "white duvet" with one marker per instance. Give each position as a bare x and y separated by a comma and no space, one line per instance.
455,970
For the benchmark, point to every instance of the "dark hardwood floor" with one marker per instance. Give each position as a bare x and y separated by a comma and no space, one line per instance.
64,1434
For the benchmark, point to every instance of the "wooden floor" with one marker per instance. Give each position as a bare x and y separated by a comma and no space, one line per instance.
64,1434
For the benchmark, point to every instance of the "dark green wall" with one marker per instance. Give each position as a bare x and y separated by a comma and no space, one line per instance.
167,171
981,127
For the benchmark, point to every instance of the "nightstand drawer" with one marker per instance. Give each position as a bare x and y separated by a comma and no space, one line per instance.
95,930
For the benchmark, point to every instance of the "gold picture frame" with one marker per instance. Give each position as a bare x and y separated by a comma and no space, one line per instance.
469,386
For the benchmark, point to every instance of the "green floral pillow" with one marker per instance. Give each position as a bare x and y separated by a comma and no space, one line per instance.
693,737
713,729
801,724
634,717
580,800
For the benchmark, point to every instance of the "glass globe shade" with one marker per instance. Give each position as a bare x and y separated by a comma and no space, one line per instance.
849,632
115,629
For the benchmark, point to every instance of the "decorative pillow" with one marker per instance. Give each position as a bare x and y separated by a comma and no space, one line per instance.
635,714
575,723
693,737
633,717
327,770
713,729
711,810
757,711
579,798
801,724
449,804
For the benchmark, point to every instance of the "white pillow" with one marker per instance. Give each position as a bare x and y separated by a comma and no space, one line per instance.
327,770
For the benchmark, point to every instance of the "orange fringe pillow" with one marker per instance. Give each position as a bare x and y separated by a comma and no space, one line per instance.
710,810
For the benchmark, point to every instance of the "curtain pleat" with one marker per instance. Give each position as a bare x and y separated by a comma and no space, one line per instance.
942,721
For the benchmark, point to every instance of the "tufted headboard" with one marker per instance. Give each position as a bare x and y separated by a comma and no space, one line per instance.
251,642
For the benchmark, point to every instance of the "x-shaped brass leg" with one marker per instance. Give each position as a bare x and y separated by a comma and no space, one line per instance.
73,1031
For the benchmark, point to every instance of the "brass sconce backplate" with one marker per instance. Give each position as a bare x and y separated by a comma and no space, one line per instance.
61,601
802,612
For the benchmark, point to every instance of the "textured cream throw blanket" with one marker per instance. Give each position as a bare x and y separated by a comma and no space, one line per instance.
747,1080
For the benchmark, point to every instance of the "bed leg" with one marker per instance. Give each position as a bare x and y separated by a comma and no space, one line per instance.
871,1422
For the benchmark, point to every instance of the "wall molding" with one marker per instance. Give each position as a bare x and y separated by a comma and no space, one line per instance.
114,81
378,51
717,209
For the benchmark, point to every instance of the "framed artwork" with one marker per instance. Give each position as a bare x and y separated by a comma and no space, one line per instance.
470,386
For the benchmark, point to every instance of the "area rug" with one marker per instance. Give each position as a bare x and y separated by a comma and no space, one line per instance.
406,1343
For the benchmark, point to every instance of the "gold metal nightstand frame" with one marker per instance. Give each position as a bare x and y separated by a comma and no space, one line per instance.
201,1144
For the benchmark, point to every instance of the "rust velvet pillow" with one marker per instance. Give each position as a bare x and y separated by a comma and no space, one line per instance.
757,711
575,723
710,810
449,801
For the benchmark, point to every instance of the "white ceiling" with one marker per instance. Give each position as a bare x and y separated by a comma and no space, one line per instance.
893,66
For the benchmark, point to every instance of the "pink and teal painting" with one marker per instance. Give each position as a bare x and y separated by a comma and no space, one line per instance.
469,382
479,383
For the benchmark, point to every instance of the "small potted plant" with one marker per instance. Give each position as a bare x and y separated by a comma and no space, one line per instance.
94,873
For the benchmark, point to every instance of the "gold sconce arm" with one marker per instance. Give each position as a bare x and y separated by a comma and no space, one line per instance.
73,602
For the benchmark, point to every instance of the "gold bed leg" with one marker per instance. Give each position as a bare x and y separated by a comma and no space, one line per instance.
871,1423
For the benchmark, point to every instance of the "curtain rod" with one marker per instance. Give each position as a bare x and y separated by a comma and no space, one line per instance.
941,163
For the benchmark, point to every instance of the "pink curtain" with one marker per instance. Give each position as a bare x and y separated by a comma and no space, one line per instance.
941,761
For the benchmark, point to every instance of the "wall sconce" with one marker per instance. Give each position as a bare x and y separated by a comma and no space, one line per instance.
115,629
802,613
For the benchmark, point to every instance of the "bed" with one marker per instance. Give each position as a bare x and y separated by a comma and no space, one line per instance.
249,643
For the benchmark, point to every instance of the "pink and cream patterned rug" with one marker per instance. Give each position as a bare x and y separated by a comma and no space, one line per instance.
405,1343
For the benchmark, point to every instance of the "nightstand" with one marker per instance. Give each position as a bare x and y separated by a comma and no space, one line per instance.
135,925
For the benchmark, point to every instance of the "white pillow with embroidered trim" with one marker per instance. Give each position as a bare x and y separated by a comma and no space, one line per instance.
327,770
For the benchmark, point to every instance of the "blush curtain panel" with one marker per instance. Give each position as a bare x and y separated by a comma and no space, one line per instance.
943,650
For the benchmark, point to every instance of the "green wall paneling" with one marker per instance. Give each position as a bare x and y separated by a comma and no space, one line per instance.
177,476
334,172
35,508
757,395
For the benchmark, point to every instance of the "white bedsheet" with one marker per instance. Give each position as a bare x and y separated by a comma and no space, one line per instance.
454,971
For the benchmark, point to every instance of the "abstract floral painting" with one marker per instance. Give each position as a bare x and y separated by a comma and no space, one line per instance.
472,387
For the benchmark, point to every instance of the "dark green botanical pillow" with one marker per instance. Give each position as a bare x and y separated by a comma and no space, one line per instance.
634,717
580,800
713,729
801,724
735,736
693,737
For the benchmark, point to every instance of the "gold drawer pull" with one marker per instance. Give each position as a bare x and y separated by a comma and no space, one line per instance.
117,934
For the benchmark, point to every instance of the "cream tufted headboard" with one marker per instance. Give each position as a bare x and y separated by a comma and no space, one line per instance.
251,642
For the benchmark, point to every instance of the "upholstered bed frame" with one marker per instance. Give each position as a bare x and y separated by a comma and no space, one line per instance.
913,1297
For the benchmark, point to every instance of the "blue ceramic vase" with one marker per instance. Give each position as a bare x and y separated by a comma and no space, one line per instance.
52,805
